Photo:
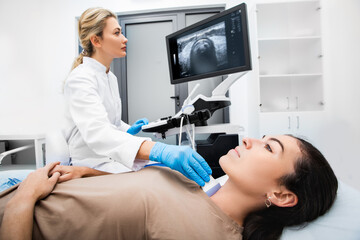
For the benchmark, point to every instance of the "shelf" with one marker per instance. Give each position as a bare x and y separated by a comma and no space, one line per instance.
285,113
265,2
291,75
23,136
290,56
289,38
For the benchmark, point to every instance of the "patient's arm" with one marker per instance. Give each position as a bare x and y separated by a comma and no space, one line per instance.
18,218
72,172
19,212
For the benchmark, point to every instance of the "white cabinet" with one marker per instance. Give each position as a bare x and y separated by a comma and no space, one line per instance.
302,124
290,66
291,93
275,123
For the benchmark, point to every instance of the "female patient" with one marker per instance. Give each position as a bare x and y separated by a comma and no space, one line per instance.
273,182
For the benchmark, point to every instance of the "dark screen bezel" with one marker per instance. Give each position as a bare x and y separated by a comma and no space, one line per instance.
244,26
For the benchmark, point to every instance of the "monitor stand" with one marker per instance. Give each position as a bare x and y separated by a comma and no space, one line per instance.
195,111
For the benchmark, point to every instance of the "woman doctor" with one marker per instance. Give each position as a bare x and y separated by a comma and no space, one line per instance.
96,136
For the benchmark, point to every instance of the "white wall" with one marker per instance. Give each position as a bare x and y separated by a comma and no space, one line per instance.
38,45
342,86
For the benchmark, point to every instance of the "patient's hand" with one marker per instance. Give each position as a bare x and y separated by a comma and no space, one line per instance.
38,184
71,172
68,172
18,216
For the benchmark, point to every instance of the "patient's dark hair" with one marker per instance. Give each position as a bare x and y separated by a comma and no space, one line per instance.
315,185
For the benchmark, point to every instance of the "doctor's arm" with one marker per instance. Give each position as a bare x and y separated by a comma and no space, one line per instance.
91,118
180,158
19,212
103,136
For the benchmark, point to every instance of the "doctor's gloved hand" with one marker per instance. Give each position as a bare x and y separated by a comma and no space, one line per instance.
183,159
136,127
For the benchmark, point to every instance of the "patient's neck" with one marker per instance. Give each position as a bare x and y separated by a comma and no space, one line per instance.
234,203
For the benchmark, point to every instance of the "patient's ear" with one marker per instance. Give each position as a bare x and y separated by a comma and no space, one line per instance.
284,198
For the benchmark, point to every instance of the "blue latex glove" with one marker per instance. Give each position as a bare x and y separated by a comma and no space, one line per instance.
183,159
136,127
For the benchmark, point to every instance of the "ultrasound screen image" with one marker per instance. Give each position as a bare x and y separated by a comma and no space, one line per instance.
216,46
202,51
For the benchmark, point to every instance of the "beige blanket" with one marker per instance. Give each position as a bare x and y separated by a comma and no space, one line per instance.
154,203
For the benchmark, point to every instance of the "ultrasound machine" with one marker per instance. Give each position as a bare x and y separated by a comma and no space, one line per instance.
216,46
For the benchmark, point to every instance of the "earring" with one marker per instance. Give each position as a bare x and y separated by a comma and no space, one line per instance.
268,202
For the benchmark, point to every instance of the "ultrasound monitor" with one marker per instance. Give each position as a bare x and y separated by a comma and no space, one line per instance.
215,46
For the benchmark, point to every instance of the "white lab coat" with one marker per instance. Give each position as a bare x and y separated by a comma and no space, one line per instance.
95,133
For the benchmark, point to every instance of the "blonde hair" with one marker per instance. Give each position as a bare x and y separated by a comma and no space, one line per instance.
91,22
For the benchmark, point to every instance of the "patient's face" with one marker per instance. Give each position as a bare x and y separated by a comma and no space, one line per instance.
257,164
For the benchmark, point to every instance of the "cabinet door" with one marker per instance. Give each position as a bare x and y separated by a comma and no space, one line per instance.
276,123
309,125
